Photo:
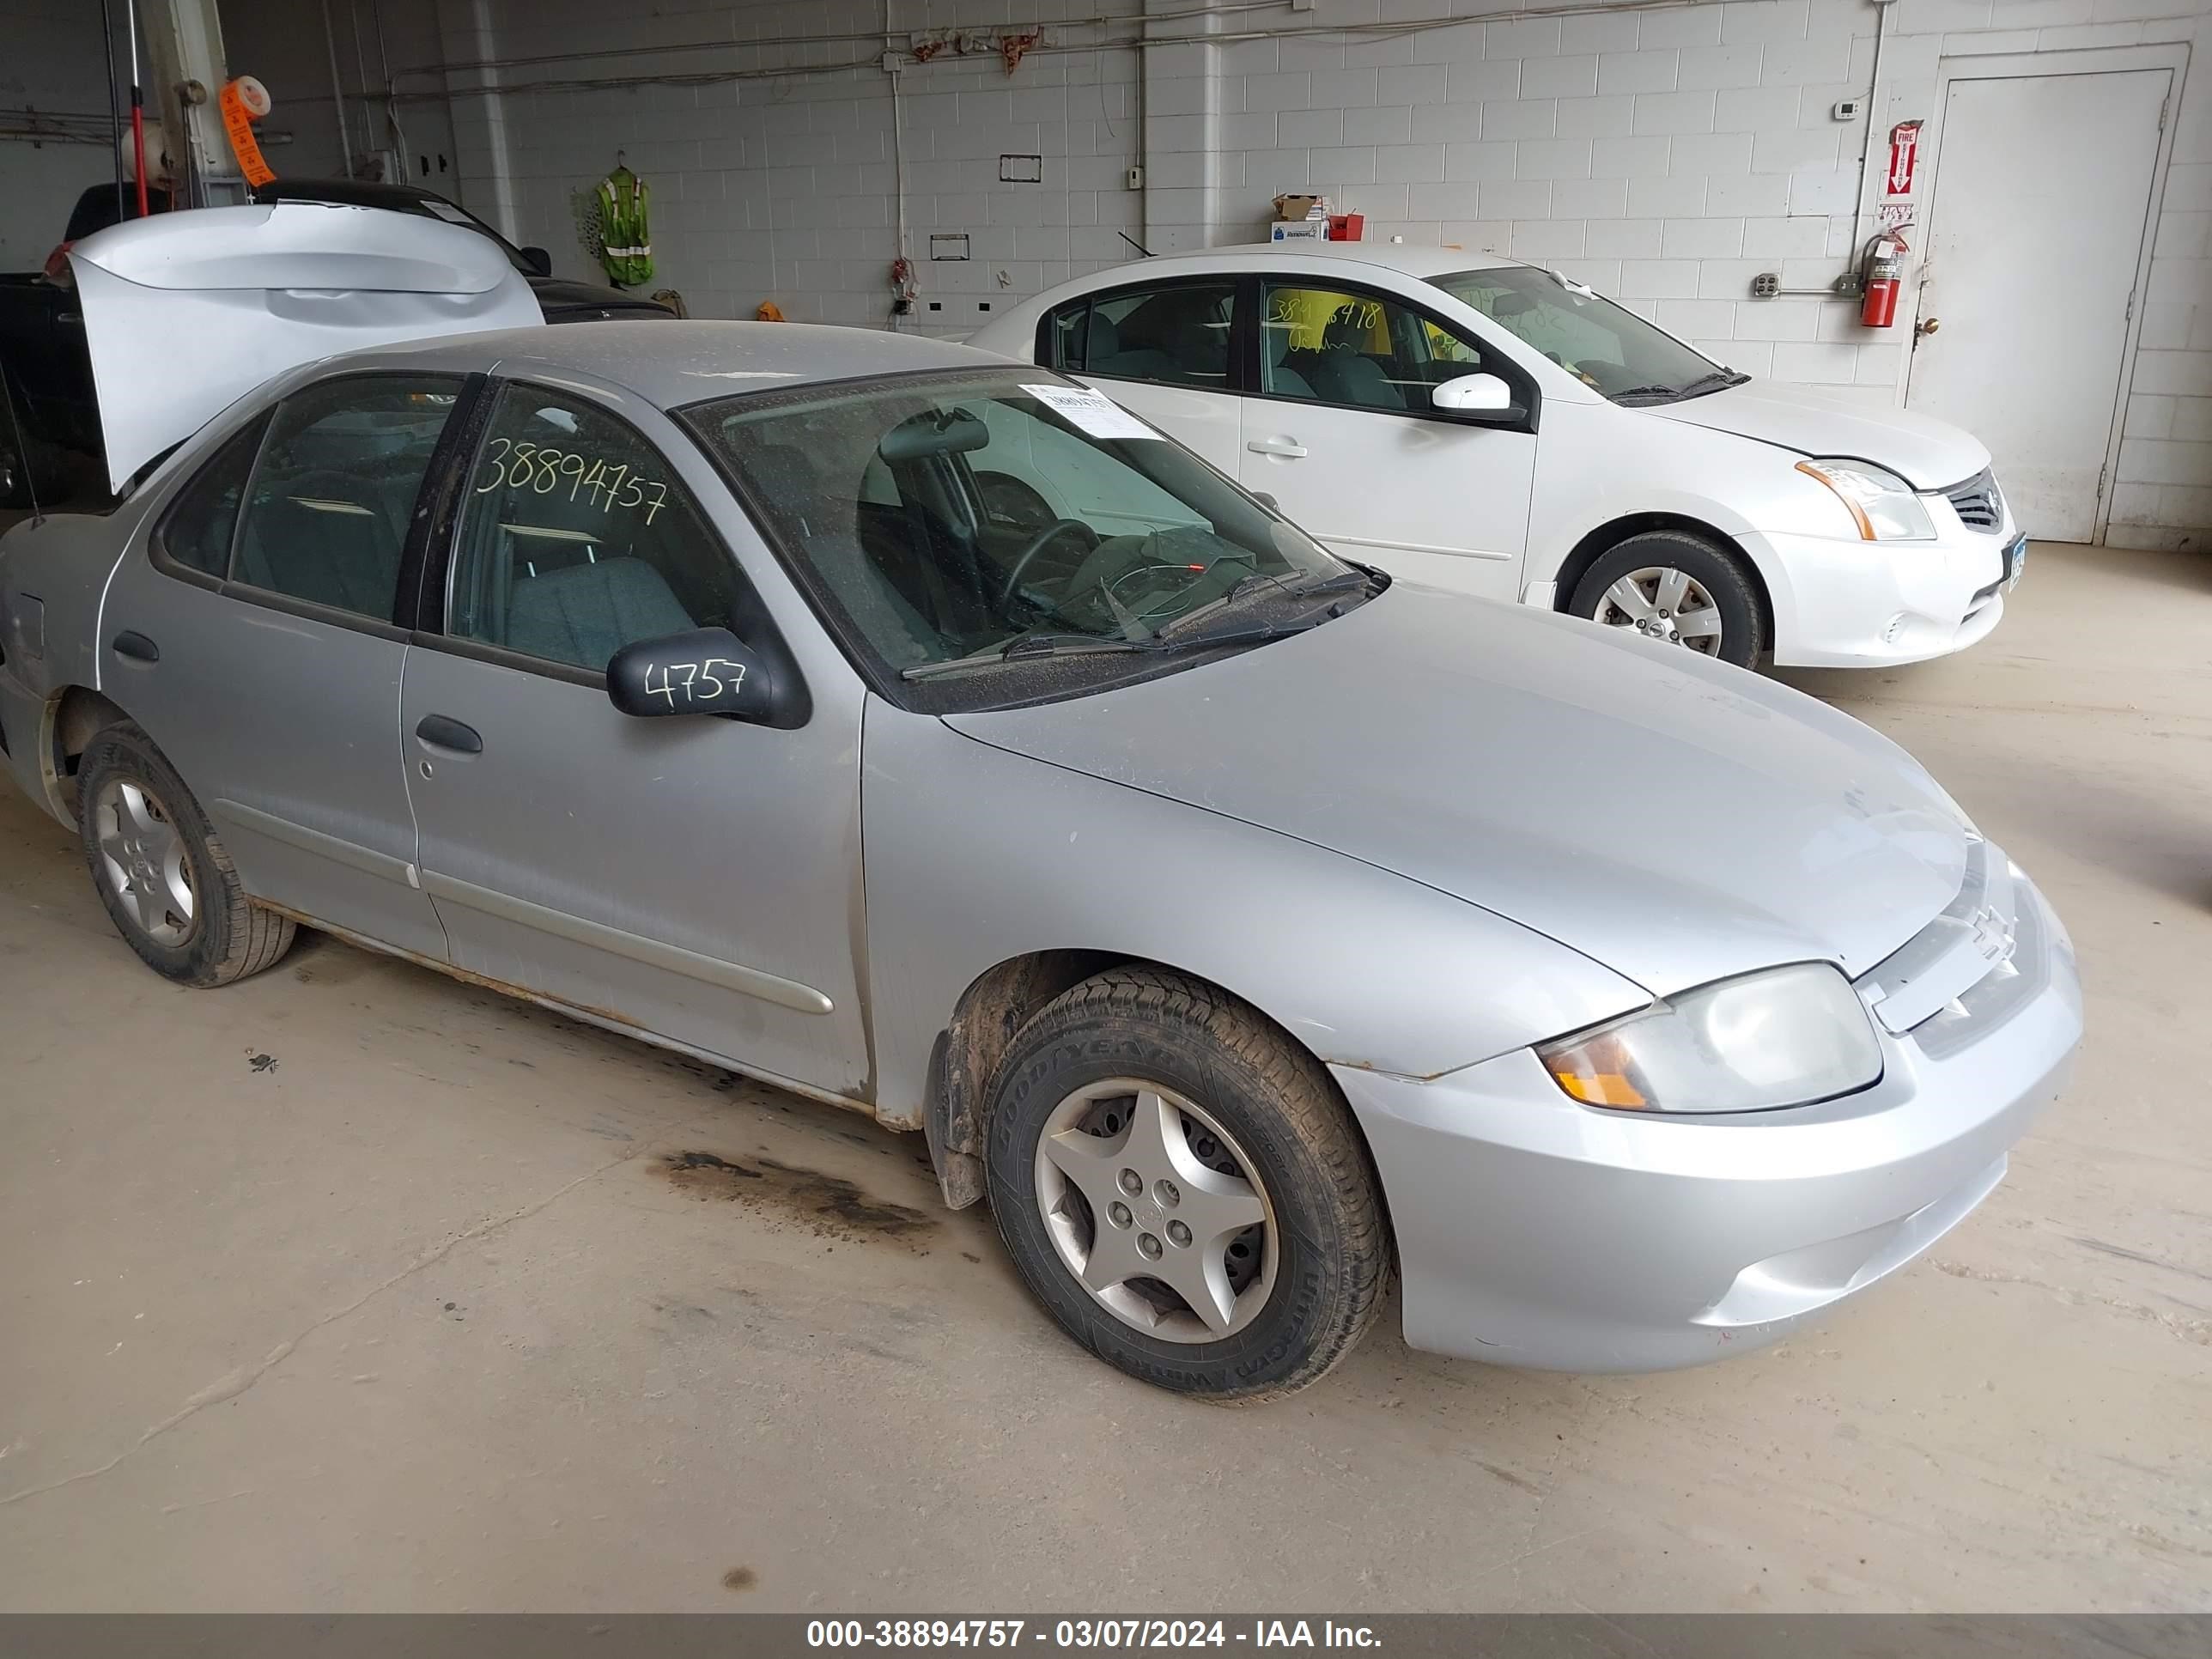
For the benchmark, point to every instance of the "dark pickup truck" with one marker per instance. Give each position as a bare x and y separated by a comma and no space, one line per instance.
49,377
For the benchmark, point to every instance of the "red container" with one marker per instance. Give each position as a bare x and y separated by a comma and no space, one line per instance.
1347,227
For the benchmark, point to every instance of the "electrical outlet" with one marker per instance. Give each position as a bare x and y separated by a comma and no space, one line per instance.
1135,179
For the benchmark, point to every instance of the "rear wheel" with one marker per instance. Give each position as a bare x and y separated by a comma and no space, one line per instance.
161,872
1677,589
1183,1189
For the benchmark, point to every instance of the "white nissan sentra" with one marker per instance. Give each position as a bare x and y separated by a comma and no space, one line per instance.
1243,924
1486,426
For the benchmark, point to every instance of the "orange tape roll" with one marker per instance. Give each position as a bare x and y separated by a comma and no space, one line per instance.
243,101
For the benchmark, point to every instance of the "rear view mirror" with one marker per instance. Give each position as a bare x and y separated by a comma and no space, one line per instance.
709,671
953,433
539,261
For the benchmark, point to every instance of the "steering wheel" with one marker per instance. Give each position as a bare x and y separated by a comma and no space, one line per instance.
1036,544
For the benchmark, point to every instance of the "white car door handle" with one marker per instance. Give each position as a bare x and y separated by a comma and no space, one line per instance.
1276,447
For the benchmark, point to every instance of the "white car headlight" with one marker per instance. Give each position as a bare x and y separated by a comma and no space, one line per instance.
1880,504
1784,1037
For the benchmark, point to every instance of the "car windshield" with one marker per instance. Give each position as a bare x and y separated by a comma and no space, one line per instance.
970,523
1609,346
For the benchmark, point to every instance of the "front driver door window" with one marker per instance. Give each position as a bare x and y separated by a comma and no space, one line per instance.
1166,351
690,874
270,596
1343,435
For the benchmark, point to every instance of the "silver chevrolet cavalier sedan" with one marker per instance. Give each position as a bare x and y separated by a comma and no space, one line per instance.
926,735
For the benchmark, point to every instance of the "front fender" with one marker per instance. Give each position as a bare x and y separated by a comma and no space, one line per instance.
975,856
1742,488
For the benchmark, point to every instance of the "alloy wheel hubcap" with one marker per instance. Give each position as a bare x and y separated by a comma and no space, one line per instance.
143,857
1663,604
1153,1206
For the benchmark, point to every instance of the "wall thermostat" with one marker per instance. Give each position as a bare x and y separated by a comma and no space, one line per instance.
1847,109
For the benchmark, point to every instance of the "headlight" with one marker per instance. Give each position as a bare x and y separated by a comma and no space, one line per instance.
1880,504
1785,1037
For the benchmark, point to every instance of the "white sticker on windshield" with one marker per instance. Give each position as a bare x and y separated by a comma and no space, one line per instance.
447,211
1091,411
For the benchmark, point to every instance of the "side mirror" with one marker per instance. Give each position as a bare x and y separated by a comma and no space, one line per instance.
1473,394
709,671
539,261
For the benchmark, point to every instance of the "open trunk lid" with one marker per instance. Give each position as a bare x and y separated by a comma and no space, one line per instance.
184,312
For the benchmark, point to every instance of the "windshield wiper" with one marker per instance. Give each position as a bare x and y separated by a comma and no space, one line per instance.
1274,587
1025,647
1715,381
1712,382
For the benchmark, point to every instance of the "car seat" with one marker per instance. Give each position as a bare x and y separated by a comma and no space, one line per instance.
1104,354
831,542
312,536
584,613
1282,381
1344,374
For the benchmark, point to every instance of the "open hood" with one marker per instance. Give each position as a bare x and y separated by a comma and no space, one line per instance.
184,312
1927,454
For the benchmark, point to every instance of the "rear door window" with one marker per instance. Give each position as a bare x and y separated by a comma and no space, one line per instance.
1176,334
333,493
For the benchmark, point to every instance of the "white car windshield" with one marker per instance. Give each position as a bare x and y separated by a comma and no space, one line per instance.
1607,346
966,520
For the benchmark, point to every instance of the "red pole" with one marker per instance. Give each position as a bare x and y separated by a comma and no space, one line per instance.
138,142
137,107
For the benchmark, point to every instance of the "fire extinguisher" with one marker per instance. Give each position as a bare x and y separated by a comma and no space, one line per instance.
1881,274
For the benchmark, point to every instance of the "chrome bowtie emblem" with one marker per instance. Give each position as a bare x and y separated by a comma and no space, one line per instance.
1991,937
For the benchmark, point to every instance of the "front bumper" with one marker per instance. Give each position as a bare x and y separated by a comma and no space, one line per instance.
1533,1232
1853,603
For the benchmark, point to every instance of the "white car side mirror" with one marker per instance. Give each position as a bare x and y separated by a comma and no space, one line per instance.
1472,394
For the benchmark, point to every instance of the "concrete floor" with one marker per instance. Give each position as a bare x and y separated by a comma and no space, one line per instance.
351,1287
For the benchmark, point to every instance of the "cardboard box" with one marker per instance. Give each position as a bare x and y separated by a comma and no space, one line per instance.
1299,207
1298,230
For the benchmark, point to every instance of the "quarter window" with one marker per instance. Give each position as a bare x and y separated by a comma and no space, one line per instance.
1337,346
198,532
332,496
1175,336
577,540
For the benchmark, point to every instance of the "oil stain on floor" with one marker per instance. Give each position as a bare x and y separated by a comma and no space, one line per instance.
830,1205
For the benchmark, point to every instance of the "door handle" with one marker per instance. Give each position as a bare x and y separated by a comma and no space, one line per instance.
440,732
1927,325
136,646
1287,447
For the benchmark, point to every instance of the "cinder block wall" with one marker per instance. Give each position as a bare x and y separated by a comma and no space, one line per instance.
1664,153
54,141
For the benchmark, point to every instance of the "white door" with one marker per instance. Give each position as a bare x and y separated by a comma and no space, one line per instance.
1342,436
2034,239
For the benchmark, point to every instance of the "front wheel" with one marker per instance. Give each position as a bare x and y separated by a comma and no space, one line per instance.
1182,1188
1676,589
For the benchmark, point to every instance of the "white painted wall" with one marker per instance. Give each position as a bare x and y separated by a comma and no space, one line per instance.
284,44
1666,154
50,63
